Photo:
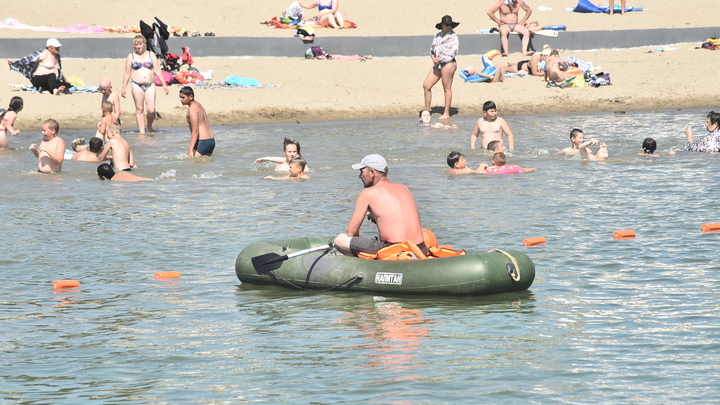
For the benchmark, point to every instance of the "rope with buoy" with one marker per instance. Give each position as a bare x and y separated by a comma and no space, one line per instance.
515,275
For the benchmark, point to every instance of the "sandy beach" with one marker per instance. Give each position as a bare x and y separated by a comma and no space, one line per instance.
315,90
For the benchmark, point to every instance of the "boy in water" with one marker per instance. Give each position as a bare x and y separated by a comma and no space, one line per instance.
105,171
649,145
499,166
107,119
83,155
491,128
105,88
495,146
51,151
578,144
122,158
458,164
202,137
297,170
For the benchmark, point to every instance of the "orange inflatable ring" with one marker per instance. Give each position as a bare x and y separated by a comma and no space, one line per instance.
187,77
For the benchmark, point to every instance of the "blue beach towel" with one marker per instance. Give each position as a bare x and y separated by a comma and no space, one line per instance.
241,81
585,6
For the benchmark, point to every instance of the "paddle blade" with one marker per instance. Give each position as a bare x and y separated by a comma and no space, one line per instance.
268,262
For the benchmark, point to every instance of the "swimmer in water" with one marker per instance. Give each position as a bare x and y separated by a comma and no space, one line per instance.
291,149
577,139
425,121
297,170
7,119
649,145
458,165
499,166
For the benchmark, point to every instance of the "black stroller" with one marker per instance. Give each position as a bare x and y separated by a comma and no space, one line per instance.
156,37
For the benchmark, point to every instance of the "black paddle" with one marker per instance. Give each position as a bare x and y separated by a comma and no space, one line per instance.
272,261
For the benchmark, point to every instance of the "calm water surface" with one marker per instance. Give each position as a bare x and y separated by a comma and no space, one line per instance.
606,321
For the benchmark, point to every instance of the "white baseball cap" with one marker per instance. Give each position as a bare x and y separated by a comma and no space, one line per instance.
373,161
53,42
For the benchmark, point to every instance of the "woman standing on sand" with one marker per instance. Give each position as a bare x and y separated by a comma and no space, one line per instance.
141,67
442,52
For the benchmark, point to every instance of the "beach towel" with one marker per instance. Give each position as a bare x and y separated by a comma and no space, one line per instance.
347,57
75,29
241,81
585,6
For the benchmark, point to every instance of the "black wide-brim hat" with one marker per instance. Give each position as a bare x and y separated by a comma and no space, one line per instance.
446,20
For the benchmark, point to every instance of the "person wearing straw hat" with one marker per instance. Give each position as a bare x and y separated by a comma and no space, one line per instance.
442,52
43,68
508,22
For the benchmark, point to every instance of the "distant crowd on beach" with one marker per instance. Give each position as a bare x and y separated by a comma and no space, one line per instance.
142,72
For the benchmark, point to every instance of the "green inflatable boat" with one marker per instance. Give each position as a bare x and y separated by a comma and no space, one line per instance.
311,263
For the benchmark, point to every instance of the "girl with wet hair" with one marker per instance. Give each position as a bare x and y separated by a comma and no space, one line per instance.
7,119
291,149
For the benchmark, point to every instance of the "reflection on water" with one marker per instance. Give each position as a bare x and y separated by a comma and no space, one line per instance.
606,321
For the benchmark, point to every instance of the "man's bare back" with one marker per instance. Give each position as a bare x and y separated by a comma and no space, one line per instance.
392,208
85,156
389,205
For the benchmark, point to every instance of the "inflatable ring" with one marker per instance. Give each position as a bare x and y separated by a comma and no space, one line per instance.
507,169
187,77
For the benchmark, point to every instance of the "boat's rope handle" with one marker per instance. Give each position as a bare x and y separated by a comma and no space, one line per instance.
516,274
358,277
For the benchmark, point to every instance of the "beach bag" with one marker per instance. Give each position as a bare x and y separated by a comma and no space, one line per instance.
167,77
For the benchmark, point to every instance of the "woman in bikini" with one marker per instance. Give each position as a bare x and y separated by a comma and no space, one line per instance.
442,52
7,119
328,13
141,67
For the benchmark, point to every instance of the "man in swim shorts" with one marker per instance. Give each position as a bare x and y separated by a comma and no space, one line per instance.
202,137
391,206
491,128
508,22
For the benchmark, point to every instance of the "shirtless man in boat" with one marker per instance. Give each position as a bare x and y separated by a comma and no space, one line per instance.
508,22
491,128
391,206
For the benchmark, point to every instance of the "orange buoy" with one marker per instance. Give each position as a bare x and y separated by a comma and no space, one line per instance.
714,227
629,234
166,274
539,240
57,284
